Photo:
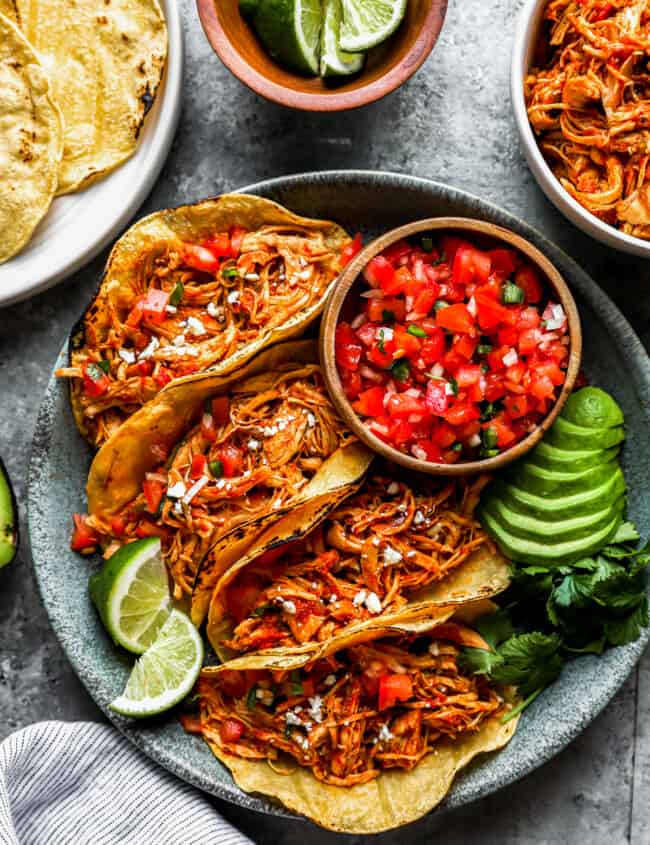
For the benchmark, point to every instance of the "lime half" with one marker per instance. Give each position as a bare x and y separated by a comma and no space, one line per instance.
166,672
290,30
367,23
131,593
333,61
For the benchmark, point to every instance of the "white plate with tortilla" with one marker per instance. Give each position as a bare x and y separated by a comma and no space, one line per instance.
79,225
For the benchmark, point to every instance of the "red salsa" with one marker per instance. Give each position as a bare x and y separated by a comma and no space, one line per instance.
454,352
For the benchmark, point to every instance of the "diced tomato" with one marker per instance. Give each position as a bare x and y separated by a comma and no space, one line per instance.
348,252
145,368
208,429
220,409
154,306
470,265
529,318
456,318
118,525
237,234
508,336
551,370
450,245
370,402
381,310
231,730
516,406
347,347
405,342
436,398
528,341
465,346
199,463
393,688
232,459
96,382
200,258
528,279
352,384
426,298
400,432
461,413
380,273
219,246
379,358
541,386
398,250
433,346
443,434
495,388
504,261
135,314
242,595
233,683
162,377
84,538
431,450
505,434
403,405
153,492
145,528
490,313
468,374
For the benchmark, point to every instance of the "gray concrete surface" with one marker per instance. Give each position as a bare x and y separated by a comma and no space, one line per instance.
453,123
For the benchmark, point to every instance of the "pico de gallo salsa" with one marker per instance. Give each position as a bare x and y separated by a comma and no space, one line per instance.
455,352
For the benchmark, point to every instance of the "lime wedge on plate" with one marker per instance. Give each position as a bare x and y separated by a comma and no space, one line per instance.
333,61
367,23
166,672
131,593
290,30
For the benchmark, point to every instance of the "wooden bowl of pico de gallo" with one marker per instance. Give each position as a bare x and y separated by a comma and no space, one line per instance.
450,345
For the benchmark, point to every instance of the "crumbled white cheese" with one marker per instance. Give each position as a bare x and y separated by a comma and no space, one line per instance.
384,733
291,718
289,607
334,598
330,680
178,507
311,420
194,489
412,553
393,488
391,556
315,705
471,306
171,309
359,598
214,310
149,349
126,355
233,297
179,340
221,483
252,277
253,444
301,740
269,430
434,649
176,491
418,518
510,358
195,326
265,696
282,424
372,603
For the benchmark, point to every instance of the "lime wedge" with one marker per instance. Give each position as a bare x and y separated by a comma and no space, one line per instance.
367,23
290,31
166,672
131,593
334,62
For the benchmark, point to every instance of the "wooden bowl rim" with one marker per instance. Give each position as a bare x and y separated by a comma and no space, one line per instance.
336,101
349,276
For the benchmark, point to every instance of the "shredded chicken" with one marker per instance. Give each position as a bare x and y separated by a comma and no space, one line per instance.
245,471
280,271
327,717
589,103
370,557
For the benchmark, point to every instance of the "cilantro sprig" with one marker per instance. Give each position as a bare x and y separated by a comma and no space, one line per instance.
551,614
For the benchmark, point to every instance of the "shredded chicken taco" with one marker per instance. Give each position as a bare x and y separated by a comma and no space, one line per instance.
365,739
221,457
390,551
195,288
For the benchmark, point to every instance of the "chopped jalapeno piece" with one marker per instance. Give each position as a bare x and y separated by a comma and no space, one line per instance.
427,243
512,294
489,437
439,305
177,294
216,468
484,348
416,331
401,369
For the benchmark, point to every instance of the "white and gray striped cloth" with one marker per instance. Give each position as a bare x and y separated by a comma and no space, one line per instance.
83,783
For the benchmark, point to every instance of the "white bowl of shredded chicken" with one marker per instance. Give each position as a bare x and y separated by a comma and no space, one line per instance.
580,89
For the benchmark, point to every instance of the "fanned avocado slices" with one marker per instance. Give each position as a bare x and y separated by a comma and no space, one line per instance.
8,518
566,499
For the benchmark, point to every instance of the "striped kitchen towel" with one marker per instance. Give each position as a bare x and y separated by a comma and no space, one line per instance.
83,783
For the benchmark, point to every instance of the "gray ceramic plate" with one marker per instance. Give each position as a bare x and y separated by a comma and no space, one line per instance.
372,202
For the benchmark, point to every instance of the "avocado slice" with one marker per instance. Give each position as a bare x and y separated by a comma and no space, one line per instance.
8,518
552,457
568,435
573,527
591,407
577,504
557,483
543,552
